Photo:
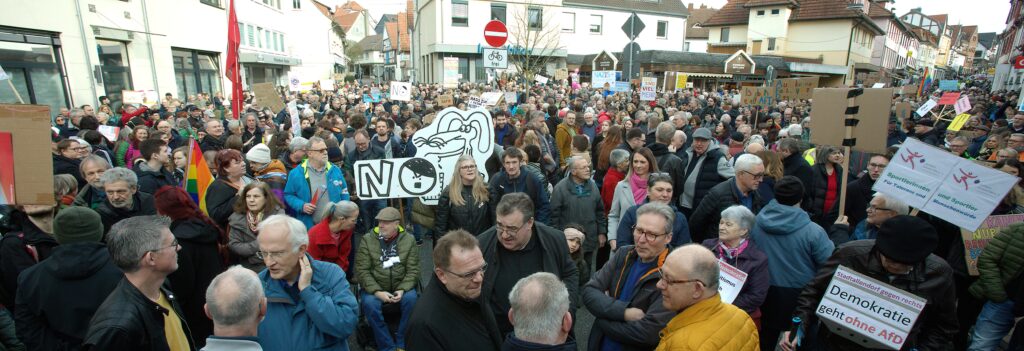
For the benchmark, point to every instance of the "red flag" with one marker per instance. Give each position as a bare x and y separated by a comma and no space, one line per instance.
232,68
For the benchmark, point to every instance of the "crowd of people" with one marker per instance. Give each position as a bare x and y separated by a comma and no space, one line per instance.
592,201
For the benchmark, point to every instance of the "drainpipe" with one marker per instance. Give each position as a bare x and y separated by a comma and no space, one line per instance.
149,45
88,53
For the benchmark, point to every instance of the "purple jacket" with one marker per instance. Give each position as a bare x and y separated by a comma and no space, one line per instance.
754,262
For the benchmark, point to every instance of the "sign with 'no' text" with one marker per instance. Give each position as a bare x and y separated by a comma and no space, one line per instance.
867,311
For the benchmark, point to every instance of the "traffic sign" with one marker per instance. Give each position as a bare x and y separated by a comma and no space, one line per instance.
633,26
631,68
495,33
495,58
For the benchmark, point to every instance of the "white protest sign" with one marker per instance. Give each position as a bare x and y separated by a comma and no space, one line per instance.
438,146
293,111
730,281
962,105
294,83
476,102
937,182
927,106
879,315
495,58
492,98
598,79
109,132
510,97
401,91
878,85
647,89
327,84
540,79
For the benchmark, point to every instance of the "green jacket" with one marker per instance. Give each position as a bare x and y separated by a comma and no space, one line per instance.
370,272
1000,262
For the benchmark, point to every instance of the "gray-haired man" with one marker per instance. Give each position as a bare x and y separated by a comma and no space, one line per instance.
236,304
124,200
540,314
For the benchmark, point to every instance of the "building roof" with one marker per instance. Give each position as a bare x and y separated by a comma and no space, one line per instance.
969,31
694,25
658,7
372,43
737,11
939,18
347,14
400,29
986,39
682,58
925,36
876,10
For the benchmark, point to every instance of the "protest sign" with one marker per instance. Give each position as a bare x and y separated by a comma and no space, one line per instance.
647,89
963,104
444,100
293,113
949,98
758,96
561,74
540,79
681,81
401,91
621,87
871,313
294,83
926,107
451,72
327,84
730,281
878,85
511,97
375,94
958,122
475,102
267,96
872,109
7,188
976,241
904,110
949,85
109,132
492,98
805,88
29,126
957,190
602,79
453,133
142,97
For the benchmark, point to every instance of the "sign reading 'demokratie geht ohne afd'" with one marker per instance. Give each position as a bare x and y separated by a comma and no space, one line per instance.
957,190
453,133
867,311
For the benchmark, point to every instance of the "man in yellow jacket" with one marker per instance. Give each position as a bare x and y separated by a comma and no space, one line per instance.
689,285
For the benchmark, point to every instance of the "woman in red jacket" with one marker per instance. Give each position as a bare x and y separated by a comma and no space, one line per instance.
331,239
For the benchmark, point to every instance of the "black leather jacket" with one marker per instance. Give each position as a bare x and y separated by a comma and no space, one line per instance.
128,320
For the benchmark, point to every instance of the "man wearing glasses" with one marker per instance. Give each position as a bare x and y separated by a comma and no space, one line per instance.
314,179
881,208
518,246
450,314
140,314
859,193
688,282
740,190
623,296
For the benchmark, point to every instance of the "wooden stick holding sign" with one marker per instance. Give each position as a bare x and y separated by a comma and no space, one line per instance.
864,117
10,83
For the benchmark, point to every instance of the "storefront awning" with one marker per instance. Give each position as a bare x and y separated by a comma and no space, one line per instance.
708,75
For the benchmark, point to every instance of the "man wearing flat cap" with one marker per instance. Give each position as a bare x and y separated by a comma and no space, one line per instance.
924,130
902,257
387,267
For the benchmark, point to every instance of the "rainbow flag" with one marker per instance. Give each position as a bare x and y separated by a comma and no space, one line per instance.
926,80
198,176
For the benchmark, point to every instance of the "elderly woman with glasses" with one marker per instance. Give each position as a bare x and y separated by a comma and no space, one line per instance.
734,248
659,190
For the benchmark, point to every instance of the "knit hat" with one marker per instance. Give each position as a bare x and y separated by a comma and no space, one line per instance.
388,214
789,191
737,136
259,154
573,233
906,239
77,225
334,155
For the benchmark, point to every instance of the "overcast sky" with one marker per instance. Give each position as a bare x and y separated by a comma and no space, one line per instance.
988,15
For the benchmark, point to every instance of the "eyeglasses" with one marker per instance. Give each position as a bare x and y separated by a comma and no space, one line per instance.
174,244
876,165
468,167
317,150
646,234
470,274
264,255
503,229
674,282
874,208
756,176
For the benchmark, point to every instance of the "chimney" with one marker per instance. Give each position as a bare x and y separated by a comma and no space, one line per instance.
690,6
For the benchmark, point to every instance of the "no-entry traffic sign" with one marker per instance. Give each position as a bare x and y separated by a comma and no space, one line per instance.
495,33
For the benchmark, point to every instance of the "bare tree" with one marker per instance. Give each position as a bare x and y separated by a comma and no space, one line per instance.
533,40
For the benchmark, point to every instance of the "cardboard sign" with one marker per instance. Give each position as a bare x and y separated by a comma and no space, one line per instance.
267,96
730,281
976,241
877,315
804,88
926,107
904,110
949,98
949,85
561,74
445,100
602,79
401,91
757,96
29,126
647,89
830,105
540,79
962,105
143,97
109,132
958,122
453,133
955,189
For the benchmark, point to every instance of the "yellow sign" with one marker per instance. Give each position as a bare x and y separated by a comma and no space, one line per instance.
991,71
681,81
958,122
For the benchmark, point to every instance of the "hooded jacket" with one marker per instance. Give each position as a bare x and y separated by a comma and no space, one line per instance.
198,263
1000,263
58,296
275,174
795,246
372,275
297,192
142,205
710,324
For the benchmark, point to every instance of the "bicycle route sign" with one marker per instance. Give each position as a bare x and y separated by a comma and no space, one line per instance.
495,58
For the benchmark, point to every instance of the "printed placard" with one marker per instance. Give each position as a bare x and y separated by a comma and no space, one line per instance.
540,79
401,91
876,314
926,107
602,79
730,281
962,105
958,122
648,88
976,241
949,98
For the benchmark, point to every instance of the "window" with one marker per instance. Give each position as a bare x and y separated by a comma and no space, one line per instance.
775,12
498,12
33,61
771,44
686,47
662,29
241,33
535,18
281,48
568,22
214,3
195,71
296,4
270,41
460,13
595,24
724,37
115,69
760,12
259,37
252,40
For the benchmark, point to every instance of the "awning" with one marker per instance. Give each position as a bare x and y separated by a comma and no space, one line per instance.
709,75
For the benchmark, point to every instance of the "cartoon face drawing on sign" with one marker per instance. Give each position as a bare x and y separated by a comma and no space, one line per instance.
453,133
417,176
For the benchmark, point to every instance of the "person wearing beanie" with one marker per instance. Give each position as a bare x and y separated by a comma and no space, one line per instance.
267,170
57,297
796,248
902,257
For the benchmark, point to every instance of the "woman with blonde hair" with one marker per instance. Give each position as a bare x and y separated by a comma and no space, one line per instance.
772,173
464,202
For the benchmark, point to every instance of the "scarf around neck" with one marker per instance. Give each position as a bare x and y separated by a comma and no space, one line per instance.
639,187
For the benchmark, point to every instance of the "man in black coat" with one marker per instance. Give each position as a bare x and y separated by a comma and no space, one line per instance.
152,174
924,130
215,136
668,162
524,247
740,190
124,200
451,313
57,297
859,193
793,162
